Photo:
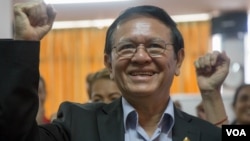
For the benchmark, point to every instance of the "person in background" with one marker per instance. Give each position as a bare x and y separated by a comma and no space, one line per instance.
144,50
102,88
241,105
40,117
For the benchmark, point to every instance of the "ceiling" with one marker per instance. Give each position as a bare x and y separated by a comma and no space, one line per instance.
70,12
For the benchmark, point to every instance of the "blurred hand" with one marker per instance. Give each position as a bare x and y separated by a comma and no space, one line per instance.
211,70
32,20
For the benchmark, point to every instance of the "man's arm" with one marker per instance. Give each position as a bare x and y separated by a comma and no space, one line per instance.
211,71
19,71
19,81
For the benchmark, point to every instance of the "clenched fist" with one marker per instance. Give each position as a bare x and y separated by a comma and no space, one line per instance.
211,70
32,20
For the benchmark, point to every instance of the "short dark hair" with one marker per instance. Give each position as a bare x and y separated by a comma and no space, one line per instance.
149,10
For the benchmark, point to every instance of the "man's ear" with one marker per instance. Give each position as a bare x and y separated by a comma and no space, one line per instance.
180,58
108,64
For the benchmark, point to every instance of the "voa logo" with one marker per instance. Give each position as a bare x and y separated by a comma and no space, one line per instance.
236,132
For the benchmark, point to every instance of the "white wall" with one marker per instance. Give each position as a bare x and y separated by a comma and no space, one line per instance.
6,19
190,101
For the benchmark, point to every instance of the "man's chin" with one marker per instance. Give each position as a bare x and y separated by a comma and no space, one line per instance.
141,91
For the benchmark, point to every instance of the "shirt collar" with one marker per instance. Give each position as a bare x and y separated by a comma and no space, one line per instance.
128,109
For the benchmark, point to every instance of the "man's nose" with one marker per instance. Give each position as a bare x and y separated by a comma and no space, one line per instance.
141,50
141,55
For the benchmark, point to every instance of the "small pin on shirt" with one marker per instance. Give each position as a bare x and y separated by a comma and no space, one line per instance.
186,139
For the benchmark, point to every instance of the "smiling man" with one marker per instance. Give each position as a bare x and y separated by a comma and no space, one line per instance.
144,50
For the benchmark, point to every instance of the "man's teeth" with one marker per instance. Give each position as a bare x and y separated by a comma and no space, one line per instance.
142,73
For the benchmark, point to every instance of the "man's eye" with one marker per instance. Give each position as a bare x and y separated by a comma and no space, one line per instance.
126,46
155,45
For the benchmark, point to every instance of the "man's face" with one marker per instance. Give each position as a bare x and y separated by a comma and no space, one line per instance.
142,75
